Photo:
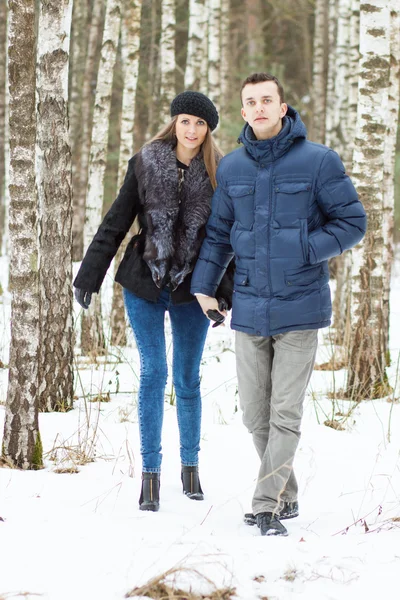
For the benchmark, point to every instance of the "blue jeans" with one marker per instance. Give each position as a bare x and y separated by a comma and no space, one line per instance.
189,330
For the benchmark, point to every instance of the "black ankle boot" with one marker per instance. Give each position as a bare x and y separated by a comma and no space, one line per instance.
150,493
191,483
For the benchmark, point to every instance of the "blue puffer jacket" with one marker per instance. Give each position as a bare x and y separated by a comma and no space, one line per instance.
283,207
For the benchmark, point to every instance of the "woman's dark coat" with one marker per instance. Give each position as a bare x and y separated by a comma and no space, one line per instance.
172,219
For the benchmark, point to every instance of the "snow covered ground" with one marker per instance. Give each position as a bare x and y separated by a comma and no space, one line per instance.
81,536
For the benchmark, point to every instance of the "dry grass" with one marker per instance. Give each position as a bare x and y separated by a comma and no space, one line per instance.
9,595
290,574
63,470
331,365
334,424
6,464
159,589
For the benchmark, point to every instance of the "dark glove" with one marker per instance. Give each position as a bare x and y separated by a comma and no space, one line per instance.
83,297
215,315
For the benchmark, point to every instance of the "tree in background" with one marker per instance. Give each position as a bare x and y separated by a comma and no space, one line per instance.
81,157
197,45
92,336
130,45
367,365
3,54
167,53
21,441
54,185
389,162
79,48
320,69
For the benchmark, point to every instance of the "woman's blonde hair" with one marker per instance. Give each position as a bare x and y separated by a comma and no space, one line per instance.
211,153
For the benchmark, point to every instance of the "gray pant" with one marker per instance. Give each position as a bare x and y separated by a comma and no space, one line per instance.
273,374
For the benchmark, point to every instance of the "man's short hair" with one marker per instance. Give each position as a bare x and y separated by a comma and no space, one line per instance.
259,78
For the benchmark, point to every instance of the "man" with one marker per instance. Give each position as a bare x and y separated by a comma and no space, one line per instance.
282,208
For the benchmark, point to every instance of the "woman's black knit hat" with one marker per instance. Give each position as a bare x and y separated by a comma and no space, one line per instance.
196,104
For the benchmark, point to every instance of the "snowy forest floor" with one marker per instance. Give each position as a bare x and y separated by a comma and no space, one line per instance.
73,529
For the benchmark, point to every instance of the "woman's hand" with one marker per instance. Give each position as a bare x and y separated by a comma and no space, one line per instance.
83,297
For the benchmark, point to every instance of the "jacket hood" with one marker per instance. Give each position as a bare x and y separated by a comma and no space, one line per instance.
269,150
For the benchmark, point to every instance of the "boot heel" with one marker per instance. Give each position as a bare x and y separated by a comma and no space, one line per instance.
191,483
150,492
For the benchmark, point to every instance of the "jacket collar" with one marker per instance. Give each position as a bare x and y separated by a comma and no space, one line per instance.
270,150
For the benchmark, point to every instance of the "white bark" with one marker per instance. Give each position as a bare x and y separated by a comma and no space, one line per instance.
154,77
54,184
80,182
224,140
341,92
214,51
389,161
78,51
6,190
98,149
78,55
130,43
330,91
367,358
3,54
352,88
21,440
319,81
92,338
340,140
196,45
224,62
167,58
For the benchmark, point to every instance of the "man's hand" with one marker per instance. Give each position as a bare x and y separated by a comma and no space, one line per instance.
83,297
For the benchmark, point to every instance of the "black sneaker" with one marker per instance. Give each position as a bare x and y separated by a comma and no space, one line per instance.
290,510
269,524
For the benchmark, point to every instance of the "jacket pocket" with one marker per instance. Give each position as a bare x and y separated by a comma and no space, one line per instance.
293,187
303,277
292,200
243,204
304,240
241,277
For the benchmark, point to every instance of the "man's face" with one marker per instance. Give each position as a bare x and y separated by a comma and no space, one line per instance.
263,109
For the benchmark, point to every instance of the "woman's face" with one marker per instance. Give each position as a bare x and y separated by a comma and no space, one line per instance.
190,131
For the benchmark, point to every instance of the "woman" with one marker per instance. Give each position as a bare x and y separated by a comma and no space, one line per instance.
168,185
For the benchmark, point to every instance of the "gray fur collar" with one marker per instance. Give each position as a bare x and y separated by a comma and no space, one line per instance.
174,218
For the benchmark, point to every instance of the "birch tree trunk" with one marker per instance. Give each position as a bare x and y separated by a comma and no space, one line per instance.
79,43
196,48
154,69
340,138
389,164
77,61
80,181
214,51
3,54
167,53
330,90
341,92
21,441
92,337
54,184
224,72
5,204
367,375
352,87
130,43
